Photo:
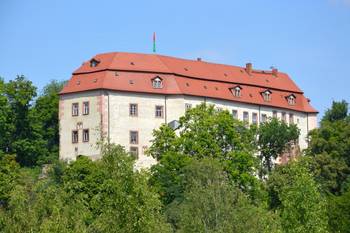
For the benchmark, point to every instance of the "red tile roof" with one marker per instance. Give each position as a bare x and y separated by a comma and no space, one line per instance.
180,76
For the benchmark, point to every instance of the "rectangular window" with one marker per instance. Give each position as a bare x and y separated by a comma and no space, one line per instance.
255,118
263,117
284,117
134,151
75,109
159,111
134,137
133,110
85,135
246,117
235,114
291,118
188,106
86,108
75,136
274,114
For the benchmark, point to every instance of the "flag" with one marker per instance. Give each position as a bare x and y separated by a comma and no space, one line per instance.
154,42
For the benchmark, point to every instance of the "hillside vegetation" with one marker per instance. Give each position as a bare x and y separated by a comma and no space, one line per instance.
215,175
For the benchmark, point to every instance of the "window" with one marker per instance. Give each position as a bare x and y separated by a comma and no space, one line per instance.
188,106
86,108
75,137
85,135
235,114
284,117
263,117
255,118
159,111
75,109
274,114
267,96
246,117
134,137
133,110
134,151
291,118
93,63
291,99
157,82
236,91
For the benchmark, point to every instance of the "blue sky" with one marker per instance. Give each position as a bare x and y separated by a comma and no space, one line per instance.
309,40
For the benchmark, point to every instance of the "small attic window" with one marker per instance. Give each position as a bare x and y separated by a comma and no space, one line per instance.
267,95
291,99
236,91
185,69
157,82
94,62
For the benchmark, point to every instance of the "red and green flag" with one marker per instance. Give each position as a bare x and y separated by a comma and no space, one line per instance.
154,42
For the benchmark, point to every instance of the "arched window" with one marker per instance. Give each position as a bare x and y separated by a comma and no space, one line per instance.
157,82
94,62
267,95
291,99
236,91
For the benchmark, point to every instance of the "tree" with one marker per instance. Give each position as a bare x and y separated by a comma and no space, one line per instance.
274,138
6,126
296,197
9,173
211,203
205,132
89,196
329,149
338,111
20,93
338,213
45,115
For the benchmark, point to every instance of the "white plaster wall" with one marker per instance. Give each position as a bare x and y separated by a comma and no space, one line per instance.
69,123
120,123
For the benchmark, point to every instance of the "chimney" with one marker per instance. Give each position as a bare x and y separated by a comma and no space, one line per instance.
274,72
249,68
199,59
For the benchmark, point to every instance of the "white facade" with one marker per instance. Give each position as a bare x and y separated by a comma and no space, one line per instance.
109,116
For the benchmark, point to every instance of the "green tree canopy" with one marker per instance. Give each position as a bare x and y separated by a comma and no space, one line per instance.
274,138
205,132
211,203
295,195
329,148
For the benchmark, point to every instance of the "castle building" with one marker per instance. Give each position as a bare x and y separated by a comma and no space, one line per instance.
123,97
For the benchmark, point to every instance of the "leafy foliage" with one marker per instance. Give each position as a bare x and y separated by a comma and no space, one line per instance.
100,196
211,204
29,128
274,137
205,132
295,195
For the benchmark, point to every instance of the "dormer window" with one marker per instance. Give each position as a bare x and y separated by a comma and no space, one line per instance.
236,91
94,62
291,99
157,82
267,95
